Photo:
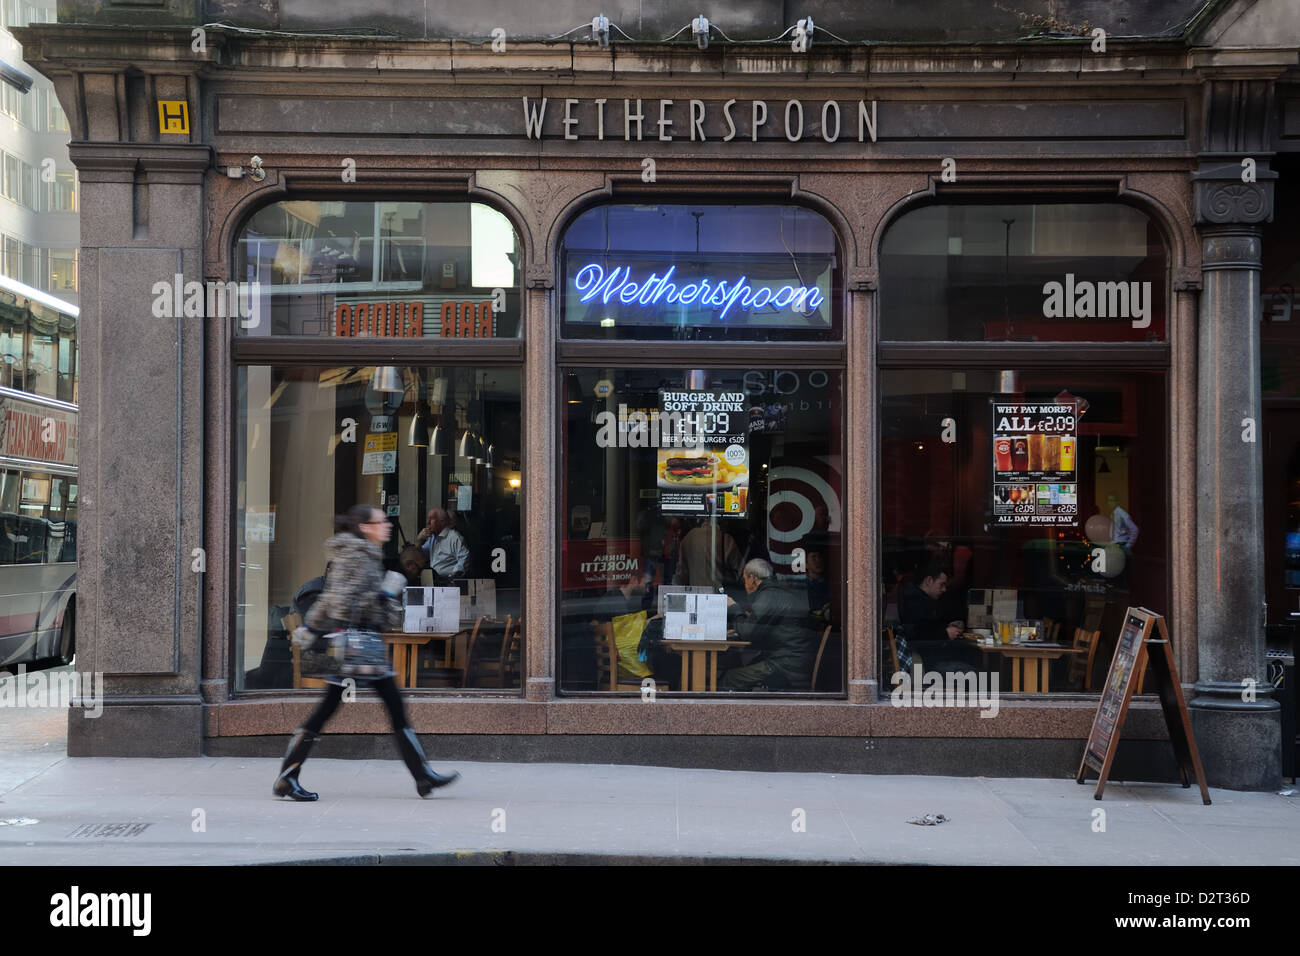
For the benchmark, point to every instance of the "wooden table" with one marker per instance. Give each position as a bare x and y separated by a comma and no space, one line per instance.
405,660
1031,664
700,661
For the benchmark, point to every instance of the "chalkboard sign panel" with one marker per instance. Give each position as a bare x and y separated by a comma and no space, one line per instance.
1116,694
1139,646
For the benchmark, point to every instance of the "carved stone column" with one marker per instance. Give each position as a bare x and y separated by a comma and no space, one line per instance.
1235,718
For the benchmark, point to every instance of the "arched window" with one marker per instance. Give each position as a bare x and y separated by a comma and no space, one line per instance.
702,439
378,360
1024,438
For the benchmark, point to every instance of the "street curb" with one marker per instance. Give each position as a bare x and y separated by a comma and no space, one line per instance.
541,858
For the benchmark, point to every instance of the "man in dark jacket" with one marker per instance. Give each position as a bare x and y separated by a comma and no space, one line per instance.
924,629
778,625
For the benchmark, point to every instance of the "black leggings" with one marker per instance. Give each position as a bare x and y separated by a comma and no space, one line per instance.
385,688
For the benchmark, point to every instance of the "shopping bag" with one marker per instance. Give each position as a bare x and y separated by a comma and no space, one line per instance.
627,638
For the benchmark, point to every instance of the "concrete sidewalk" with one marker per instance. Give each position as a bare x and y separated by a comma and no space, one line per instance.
528,813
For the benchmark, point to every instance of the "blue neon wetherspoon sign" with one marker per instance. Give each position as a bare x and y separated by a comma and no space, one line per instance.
618,285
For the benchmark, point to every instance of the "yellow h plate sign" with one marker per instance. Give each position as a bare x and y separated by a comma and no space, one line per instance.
173,116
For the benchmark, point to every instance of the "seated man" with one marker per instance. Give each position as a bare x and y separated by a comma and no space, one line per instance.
777,625
443,545
922,623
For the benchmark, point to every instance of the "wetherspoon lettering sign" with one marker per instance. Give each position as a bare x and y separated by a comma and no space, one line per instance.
618,283
693,120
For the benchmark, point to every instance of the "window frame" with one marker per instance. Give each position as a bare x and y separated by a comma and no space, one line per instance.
296,350
957,356
629,353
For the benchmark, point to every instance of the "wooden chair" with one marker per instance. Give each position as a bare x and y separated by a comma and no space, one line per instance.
1079,675
607,658
1051,630
478,666
817,662
494,667
511,651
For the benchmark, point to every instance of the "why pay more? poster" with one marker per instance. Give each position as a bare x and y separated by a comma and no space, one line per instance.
1035,451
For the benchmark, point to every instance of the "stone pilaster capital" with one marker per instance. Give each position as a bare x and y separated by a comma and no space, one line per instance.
862,280
1229,193
1187,279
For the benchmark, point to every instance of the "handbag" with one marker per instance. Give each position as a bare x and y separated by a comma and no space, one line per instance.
347,652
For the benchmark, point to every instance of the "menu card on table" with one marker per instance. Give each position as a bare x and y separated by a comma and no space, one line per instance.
431,611
695,617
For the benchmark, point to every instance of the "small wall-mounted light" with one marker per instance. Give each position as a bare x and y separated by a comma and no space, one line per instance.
515,482
700,30
804,31
600,29
607,323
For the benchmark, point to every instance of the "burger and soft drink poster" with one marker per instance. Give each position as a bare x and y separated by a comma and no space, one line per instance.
1035,449
703,465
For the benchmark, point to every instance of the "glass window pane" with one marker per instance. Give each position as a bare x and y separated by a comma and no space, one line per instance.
13,327
64,193
13,177
29,186
389,269
58,120
1023,272
447,439
652,523
63,270
41,365
699,272
1050,506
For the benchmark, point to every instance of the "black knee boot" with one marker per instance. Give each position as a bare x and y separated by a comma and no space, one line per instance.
426,781
286,785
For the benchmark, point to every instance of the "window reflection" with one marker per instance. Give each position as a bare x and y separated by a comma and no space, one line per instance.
985,273
437,449
389,269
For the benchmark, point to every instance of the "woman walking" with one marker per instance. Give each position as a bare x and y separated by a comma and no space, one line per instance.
357,594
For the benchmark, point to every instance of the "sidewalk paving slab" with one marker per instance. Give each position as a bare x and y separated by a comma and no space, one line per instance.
500,814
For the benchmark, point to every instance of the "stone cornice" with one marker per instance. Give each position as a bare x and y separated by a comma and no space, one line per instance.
155,157
79,48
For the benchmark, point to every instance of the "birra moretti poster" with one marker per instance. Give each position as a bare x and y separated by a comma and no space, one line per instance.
703,461
1034,463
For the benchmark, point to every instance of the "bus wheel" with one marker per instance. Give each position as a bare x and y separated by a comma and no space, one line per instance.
68,637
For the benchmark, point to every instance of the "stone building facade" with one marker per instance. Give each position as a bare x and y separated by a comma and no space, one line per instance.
1190,117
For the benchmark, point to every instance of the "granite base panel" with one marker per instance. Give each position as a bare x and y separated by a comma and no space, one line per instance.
1144,760
1239,749
156,729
